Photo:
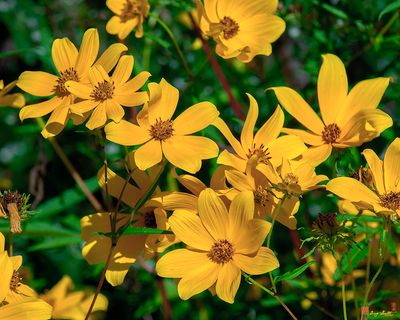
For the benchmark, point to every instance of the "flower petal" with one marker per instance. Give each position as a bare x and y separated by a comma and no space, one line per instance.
241,211
126,133
232,160
123,70
287,147
163,101
376,166
186,152
180,262
110,57
316,155
251,236
79,89
40,109
64,54
6,274
37,83
148,154
246,137
189,228
115,6
239,180
391,167
134,84
226,132
195,118
271,129
265,261
299,109
132,99
308,137
98,117
88,51
30,308
228,282
114,110
332,87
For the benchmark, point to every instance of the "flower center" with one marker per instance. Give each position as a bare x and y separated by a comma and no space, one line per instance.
290,178
390,200
150,220
221,252
327,224
15,281
103,91
161,130
331,133
130,10
60,90
261,153
230,27
262,196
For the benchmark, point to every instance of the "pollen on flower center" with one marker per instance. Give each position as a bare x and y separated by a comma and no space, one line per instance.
221,252
261,152
150,220
15,281
331,133
130,10
262,196
290,178
60,90
230,27
161,130
390,200
103,91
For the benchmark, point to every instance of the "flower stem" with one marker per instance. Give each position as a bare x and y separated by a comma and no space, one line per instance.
339,266
353,285
274,294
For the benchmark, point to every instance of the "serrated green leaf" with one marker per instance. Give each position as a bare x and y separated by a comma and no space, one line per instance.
294,273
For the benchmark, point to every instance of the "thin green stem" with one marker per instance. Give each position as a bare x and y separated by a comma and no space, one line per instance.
353,285
343,284
274,294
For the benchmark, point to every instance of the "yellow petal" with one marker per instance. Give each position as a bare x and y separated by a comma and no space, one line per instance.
251,235
114,25
353,190
117,277
241,211
226,132
232,160
299,109
88,51
271,129
186,152
2,242
126,133
115,6
79,89
127,27
376,166
193,184
98,75
288,147
178,263
123,70
200,279
6,274
317,155
15,100
213,214
148,154
98,117
332,87
110,57
29,309
228,282
132,99
188,227
37,83
40,109
308,137
239,180
64,54
265,261
96,250
134,84
176,200
82,107
114,110
391,167
247,134
163,101
365,95
195,118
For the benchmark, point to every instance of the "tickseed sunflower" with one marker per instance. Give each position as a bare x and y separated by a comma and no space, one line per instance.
160,135
129,14
15,100
73,305
348,119
241,28
70,65
221,244
263,147
32,309
106,94
384,196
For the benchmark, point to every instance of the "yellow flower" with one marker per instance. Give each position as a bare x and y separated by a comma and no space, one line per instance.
16,100
129,14
263,147
106,94
11,288
384,198
29,309
160,135
241,28
72,305
348,119
71,65
221,244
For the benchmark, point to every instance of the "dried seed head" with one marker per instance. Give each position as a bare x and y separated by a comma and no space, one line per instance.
390,200
150,220
12,197
327,224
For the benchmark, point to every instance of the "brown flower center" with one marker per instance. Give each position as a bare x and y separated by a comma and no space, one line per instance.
130,10
260,152
230,27
15,281
60,90
331,133
221,252
390,200
290,178
327,223
150,220
161,130
103,91
262,196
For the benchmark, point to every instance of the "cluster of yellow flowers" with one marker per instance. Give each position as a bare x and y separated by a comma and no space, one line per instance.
260,178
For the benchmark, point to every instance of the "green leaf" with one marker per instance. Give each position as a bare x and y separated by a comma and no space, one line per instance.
294,273
335,11
357,253
128,231
53,243
389,8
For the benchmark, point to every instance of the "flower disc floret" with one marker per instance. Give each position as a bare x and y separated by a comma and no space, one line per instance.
221,252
